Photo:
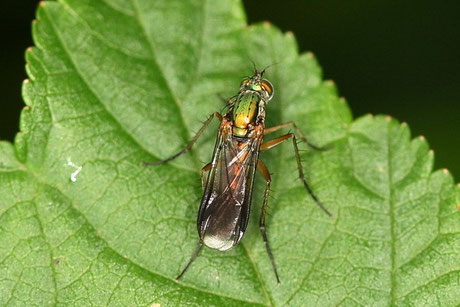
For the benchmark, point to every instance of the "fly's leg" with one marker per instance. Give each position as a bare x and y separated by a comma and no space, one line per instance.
205,169
194,255
297,131
190,144
264,171
279,140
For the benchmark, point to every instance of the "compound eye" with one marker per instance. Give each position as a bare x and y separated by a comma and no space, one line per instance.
244,83
268,87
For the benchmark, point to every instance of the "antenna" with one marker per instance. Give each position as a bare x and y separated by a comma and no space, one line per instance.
263,70
254,65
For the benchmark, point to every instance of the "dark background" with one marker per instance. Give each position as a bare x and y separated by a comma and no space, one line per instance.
394,57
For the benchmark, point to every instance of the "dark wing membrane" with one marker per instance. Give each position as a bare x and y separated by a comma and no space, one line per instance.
226,202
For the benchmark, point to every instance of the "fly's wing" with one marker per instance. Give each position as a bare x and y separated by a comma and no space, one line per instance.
226,202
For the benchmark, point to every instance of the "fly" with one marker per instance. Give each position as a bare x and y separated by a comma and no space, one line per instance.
227,189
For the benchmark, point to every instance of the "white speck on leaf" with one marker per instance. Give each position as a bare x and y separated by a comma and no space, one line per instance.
73,176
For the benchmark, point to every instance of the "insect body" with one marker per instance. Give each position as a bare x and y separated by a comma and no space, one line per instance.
226,202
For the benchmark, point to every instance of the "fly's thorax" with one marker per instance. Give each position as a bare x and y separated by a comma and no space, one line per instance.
245,113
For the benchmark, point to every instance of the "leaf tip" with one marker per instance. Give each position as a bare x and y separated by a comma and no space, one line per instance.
289,34
20,147
41,3
422,138
342,99
249,28
310,54
27,80
369,115
404,124
445,171
266,24
388,118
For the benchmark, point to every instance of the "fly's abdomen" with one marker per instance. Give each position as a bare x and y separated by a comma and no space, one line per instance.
225,206
223,221
221,232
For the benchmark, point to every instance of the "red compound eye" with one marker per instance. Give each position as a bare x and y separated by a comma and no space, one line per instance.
268,87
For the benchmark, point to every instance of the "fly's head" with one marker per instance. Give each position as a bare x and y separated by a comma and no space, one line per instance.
258,84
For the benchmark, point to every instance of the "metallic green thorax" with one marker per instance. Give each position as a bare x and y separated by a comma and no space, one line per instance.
245,112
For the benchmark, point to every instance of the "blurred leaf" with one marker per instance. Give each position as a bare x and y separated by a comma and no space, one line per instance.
114,83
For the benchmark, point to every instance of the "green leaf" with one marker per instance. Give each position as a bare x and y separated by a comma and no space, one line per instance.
113,83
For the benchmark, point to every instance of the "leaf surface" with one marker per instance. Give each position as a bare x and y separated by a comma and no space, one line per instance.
114,83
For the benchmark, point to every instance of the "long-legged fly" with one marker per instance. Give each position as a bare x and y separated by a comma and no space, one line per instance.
226,202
